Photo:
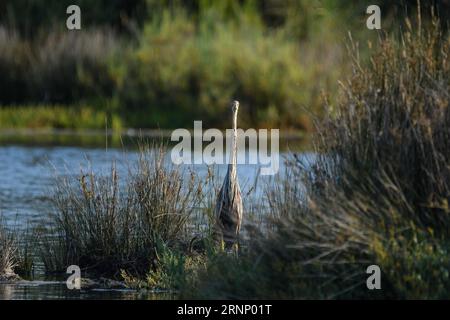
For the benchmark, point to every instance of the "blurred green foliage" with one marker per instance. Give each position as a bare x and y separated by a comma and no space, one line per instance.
32,18
181,72
54,116
164,63
63,68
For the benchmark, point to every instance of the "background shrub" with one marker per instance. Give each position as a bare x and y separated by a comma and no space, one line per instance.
182,71
64,67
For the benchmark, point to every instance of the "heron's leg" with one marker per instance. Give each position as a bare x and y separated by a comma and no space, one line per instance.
236,246
221,242
218,236
235,249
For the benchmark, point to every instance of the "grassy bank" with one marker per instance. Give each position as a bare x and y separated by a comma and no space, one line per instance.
56,117
163,64
183,65
106,224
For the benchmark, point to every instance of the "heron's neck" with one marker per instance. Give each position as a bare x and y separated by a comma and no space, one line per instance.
233,155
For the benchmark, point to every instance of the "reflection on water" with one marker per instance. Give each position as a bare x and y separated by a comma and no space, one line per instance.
49,290
99,138
27,173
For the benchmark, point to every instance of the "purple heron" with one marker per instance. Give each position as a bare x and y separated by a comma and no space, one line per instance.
229,209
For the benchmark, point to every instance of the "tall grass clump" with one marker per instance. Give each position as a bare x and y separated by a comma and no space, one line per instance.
378,192
106,224
54,116
8,252
392,127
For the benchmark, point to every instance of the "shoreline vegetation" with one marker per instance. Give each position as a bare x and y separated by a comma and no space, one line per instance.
164,65
129,139
182,62
378,193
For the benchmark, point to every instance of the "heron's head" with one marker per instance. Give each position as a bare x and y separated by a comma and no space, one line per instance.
235,106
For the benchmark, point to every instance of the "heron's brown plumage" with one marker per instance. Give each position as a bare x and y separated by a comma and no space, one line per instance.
229,207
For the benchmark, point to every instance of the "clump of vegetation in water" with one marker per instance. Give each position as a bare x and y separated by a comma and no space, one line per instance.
61,68
152,229
8,253
378,193
53,116
16,252
106,224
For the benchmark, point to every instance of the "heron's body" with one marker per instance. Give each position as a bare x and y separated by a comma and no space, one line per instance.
229,208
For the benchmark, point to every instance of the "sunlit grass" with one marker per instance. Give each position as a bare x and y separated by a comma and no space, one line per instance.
184,70
109,223
55,117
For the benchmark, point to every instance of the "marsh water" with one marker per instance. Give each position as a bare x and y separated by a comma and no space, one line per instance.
27,172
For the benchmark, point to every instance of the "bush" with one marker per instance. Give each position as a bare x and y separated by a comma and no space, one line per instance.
182,71
105,224
191,60
72,67
392,126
